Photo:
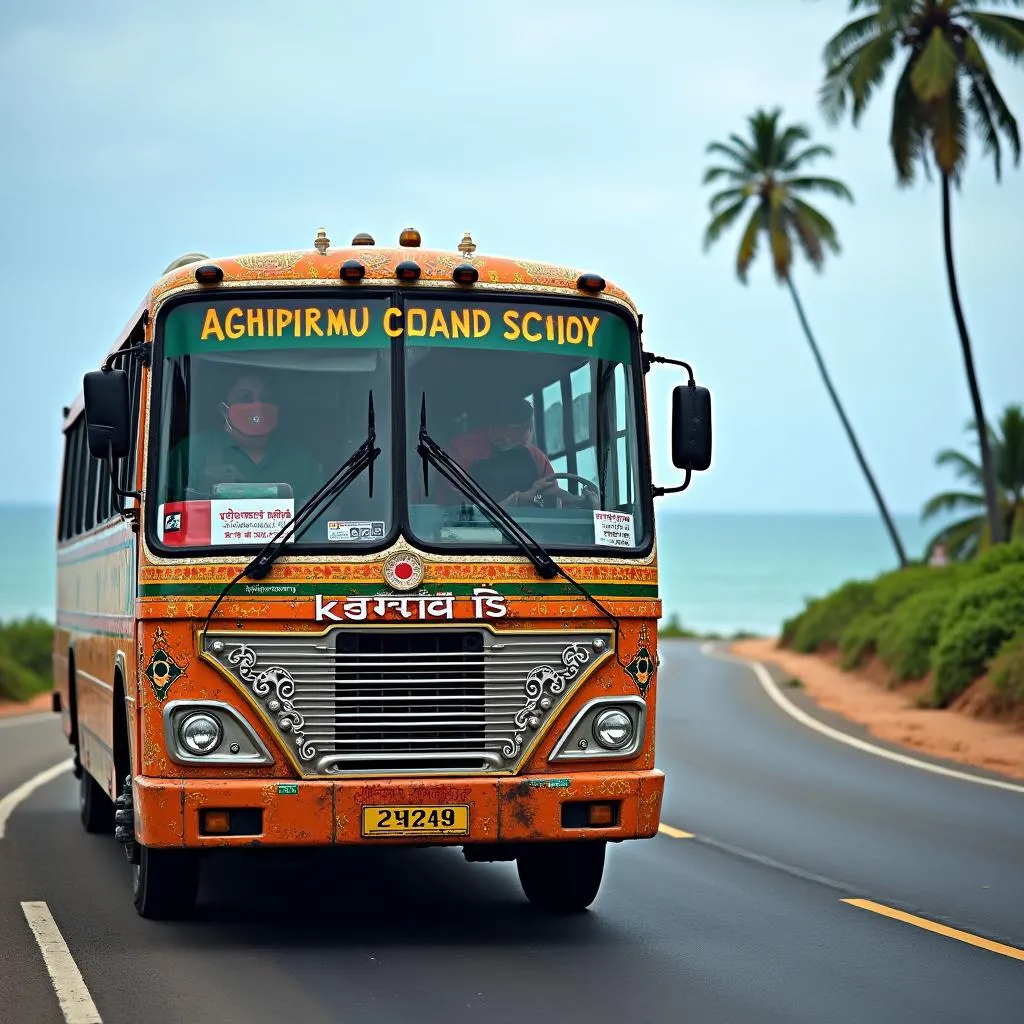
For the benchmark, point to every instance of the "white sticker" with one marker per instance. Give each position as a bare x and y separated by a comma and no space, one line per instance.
248,520
340,529
614,529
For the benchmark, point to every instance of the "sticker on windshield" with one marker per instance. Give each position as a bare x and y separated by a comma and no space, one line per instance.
249,520
614,529
354,530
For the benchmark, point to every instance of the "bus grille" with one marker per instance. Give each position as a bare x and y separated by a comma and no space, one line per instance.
388,699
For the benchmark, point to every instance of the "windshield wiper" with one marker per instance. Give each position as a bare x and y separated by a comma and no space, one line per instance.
433,454
364,456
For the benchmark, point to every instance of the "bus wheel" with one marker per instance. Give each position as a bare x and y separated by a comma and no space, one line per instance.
564,877
165,883
95,808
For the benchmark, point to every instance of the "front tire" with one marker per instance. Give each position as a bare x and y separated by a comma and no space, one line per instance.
165,883
95,808
563,877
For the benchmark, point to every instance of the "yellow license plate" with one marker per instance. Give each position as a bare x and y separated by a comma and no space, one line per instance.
448,820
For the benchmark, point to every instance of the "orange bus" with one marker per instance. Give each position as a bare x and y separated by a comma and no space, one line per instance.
356,546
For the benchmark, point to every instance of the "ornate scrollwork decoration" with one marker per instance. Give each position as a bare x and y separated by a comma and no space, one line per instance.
275,687
544,681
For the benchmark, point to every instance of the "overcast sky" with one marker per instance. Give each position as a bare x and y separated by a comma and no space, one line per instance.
570,131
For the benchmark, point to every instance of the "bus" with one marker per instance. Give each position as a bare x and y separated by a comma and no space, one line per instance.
356,545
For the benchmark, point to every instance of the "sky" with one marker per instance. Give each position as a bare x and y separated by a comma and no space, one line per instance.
573,133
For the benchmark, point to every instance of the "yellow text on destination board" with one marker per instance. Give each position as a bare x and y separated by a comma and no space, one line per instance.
355,321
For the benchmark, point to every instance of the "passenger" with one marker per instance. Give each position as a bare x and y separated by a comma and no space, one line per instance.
248,448
502,458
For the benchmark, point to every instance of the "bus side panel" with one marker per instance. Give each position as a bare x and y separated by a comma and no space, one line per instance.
96,628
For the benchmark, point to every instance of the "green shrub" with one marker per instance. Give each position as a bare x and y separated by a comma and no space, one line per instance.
994,560
859,640
908,634
823,620
1007,671
673,630
985,612
26,667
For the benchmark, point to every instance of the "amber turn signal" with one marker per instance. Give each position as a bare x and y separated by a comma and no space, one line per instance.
352,270
363,239
601,814
410,238
209,273
465,274
590,283
407,271
216,823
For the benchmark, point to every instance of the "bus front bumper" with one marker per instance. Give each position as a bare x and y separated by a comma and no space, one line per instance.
610,805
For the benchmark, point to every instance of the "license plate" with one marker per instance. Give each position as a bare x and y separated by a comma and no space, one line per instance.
450,820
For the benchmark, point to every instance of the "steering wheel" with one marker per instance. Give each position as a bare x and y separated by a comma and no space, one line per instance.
588,485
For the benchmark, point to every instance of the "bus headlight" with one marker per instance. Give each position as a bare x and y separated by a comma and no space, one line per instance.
613,729
200,733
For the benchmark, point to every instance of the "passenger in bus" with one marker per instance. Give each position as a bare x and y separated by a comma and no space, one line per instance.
502,458
246,448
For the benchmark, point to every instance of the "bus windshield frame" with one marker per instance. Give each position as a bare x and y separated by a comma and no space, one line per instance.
398,473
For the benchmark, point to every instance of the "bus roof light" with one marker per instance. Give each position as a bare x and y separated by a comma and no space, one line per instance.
410,238
464,273
407,270
352,270
363,239
590,283
209,273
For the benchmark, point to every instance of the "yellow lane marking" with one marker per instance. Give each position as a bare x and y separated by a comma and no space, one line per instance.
940,929
675,833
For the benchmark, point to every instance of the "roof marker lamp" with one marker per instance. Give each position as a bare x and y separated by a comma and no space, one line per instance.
352,270
209,273
464,273
407,270
590,283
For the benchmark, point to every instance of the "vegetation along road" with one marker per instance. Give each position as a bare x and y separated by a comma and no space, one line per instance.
740,910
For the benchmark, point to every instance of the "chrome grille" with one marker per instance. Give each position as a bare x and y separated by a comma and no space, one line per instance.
398,699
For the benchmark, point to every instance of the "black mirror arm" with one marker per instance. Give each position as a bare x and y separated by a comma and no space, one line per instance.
657,492
132,513
143,349
650,357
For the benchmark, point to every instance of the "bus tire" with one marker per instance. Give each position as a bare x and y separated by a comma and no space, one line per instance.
563,877
95,808
165,883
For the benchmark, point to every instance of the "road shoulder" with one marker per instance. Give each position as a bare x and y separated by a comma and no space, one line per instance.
12,709
891,716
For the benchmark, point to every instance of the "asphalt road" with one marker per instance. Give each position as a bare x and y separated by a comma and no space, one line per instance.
743,922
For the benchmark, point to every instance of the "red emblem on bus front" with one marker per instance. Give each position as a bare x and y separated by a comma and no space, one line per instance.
403,571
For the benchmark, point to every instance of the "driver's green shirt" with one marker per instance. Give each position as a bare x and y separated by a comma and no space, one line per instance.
207,458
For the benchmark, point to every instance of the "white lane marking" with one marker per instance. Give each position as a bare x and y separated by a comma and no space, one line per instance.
26,789
31,719
773,691
75,1002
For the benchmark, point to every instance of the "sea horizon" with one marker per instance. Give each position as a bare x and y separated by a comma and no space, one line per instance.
720,571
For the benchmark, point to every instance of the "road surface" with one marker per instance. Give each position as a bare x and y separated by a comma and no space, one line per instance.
745,921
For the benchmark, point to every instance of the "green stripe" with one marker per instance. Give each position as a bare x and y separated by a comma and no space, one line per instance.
616,591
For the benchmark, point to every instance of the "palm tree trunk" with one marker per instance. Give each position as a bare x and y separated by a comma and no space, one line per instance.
886,518
995,523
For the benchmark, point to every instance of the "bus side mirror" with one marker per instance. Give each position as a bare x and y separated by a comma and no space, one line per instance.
691,427
107,413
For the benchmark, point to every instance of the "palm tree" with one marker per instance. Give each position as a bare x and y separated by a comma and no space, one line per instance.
945,75
968,536
770,169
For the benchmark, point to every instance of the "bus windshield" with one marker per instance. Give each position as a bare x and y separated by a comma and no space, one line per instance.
537,402
260,399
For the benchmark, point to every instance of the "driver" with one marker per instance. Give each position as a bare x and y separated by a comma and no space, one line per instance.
246,448
502,458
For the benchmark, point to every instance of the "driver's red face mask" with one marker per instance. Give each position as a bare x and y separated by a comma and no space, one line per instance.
250,414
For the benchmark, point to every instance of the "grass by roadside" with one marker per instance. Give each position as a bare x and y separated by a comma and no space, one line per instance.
958,629
25,652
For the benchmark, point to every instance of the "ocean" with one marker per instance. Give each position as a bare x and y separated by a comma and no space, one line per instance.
719,572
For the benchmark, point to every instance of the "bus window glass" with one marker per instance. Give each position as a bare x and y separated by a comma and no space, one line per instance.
516,392
260,401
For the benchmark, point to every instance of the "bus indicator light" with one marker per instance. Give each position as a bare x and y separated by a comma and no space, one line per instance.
209,273
352,270
590,283
464,273
407,271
